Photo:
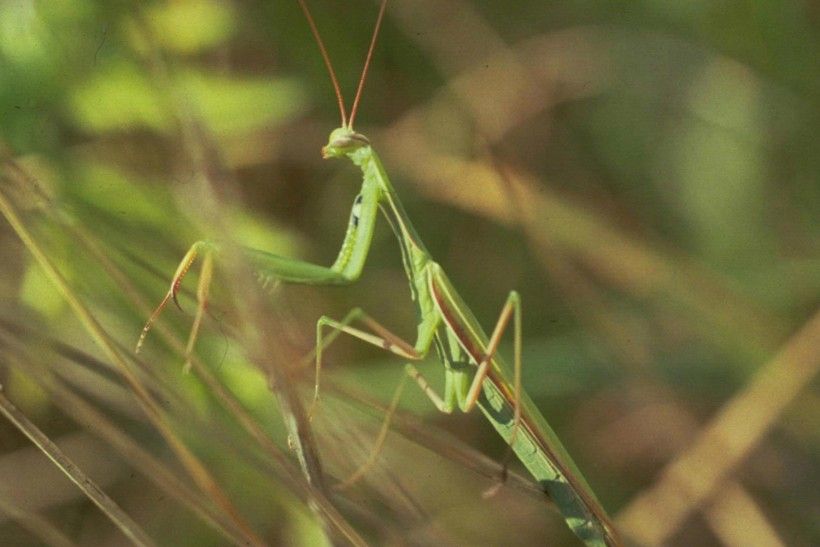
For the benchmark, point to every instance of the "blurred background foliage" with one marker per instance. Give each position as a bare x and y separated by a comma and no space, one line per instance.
645,174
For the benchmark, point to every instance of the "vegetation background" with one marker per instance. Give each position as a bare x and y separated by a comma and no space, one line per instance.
645,174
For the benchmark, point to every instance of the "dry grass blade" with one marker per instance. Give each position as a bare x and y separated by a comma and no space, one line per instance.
108,506
37,525
194,466
305,447
98,422
738,520
688,482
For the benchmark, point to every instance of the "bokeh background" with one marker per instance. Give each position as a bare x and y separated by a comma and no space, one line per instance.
645,174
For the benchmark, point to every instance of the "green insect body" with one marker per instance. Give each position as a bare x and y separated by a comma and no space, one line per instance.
475,375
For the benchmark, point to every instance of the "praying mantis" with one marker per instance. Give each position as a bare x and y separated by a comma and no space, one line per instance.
475,373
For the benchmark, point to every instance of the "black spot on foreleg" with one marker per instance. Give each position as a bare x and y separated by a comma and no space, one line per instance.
356,211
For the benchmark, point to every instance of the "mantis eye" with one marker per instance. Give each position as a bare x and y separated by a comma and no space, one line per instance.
350,141
343,142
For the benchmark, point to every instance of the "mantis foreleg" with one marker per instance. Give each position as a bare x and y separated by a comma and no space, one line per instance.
345,270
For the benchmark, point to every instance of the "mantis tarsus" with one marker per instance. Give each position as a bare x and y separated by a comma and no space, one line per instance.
475,375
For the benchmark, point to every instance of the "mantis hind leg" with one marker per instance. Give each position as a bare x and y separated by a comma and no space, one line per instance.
511,310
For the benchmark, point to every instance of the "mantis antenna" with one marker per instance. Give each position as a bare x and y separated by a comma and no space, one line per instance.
346,122
355,107
326,58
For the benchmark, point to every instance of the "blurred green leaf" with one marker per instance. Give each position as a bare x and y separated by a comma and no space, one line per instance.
190,26
232,105
119,96
39,294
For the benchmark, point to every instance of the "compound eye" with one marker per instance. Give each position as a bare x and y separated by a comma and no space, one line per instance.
352,140
342,142
359,139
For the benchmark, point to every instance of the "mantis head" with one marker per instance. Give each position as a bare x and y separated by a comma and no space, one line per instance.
343,141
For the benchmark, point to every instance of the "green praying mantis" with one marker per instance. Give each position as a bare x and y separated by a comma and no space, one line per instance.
475,374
